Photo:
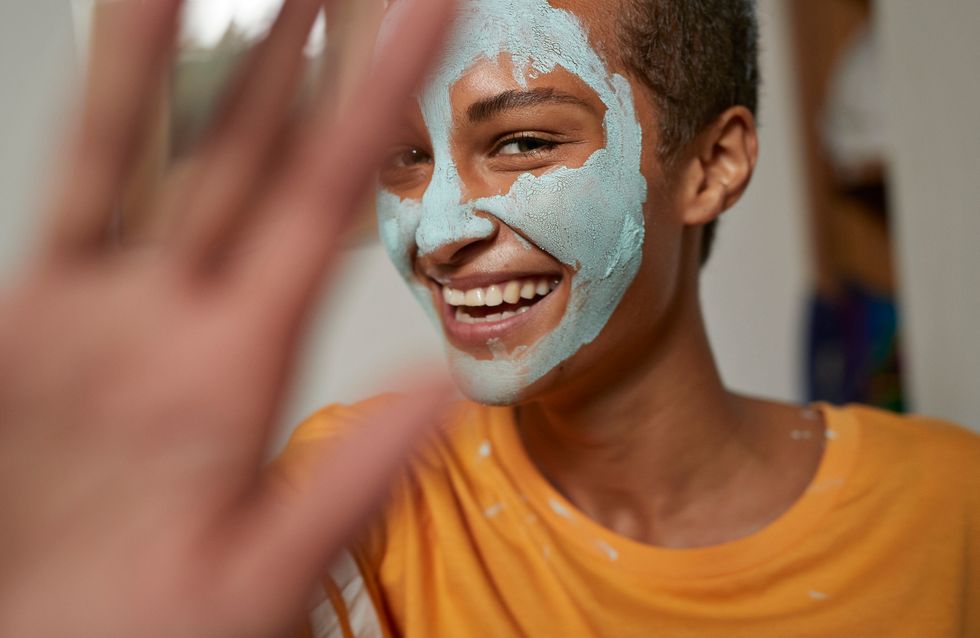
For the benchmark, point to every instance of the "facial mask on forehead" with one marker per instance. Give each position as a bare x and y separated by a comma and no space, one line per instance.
589,218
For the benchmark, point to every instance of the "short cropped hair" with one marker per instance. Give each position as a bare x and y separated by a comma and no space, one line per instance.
699,58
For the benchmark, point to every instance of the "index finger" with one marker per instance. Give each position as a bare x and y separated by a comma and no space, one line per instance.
126,68
336,162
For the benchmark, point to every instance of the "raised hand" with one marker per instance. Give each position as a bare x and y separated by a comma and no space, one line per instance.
138,387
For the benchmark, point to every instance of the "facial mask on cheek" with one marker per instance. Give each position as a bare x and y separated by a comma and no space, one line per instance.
589,218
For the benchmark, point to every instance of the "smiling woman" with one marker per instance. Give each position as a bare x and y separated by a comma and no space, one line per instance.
545,164
623,492
547,202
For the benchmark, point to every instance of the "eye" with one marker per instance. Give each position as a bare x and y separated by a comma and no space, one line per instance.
407,158
524,145
406,167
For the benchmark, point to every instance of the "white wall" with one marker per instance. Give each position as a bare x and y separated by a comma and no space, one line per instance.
37,65
930,57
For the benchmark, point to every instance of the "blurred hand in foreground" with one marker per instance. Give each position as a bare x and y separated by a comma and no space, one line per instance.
138,388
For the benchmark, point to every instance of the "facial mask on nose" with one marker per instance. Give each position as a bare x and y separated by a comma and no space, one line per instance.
589,218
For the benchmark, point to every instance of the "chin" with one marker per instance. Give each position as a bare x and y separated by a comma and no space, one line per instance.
490,382
499,383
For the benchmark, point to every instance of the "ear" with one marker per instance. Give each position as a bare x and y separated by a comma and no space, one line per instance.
719,167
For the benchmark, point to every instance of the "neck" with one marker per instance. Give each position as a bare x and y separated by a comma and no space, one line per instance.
652,452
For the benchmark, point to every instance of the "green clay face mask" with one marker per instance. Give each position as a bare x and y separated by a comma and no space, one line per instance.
589,218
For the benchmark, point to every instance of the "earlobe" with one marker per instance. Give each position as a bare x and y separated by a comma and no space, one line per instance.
721,166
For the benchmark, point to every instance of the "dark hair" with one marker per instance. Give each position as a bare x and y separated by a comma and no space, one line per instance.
699,58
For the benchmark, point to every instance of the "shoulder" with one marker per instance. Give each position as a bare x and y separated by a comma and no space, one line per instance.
334,420
315,437
463,424
931,438
922,450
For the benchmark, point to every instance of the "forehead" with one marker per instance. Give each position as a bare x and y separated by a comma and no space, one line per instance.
489,87
601,18
535,36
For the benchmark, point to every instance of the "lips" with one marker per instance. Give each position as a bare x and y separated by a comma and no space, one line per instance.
474,314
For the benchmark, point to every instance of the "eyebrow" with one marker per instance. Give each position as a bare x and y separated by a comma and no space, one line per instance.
508,100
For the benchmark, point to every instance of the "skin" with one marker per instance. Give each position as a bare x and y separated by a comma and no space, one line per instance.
636,429
139,387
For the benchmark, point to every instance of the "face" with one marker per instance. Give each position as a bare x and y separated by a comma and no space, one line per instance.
515,205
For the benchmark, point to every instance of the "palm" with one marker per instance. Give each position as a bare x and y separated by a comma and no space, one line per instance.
137,391
155,432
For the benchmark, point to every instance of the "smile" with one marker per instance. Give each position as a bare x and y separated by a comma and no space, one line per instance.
497,302
502,308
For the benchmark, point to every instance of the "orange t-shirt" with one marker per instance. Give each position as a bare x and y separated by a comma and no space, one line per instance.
885,542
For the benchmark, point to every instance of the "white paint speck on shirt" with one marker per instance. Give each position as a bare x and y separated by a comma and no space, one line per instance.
493,510
559,509
607,549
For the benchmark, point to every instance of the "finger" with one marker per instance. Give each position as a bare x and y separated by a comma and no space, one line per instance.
126,69
236,152
296,529
318,197
353,36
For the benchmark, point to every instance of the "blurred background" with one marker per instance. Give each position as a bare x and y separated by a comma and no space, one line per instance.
849,272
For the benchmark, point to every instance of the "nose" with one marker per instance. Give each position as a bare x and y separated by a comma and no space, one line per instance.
453,244
450,228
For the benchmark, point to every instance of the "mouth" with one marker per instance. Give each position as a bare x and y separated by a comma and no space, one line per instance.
474,314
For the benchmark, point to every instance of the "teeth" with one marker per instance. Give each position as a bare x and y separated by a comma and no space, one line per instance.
494,296
462,317
454,297
497,294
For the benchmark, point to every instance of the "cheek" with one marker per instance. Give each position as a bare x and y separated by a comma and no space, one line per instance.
398,222
664,243
587,218
657,283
